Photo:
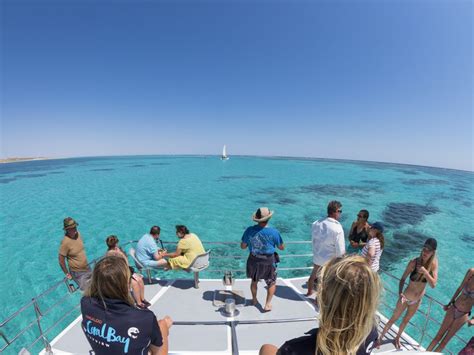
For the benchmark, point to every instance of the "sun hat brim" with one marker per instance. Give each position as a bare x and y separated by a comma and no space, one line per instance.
263,219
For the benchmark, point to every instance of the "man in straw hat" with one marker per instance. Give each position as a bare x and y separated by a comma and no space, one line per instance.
261,263
72,249
328,241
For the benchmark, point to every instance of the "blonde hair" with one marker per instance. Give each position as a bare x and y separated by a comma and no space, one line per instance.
110,279
348,297
428,265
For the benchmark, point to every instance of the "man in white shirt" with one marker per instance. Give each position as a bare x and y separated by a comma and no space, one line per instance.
328,241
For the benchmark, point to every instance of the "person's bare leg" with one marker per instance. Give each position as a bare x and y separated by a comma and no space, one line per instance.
253,290
268,349
270,292
141,285
136,292
410,313
399,308
455,326
447,321
312,279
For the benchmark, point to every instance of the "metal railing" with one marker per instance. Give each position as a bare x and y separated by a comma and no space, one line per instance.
43,334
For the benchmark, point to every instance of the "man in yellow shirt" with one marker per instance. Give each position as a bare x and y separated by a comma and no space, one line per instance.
72,250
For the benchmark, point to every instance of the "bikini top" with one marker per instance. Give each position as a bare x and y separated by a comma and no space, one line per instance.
467,293
415,275
358,237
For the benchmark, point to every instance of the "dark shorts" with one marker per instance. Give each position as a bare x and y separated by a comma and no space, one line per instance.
262,267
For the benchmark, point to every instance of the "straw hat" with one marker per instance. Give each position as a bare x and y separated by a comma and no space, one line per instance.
263,214
69,223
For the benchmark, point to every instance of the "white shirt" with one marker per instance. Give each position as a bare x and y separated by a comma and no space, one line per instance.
375,260
328,240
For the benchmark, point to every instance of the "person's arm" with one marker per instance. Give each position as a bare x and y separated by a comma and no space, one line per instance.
353,243
370,252
410,267
62,264
165,325
178,252
244,242
281,246
432,280
340,243
468,275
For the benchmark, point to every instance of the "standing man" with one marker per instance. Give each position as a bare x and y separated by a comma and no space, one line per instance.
261,263
147,251
72,249
328,241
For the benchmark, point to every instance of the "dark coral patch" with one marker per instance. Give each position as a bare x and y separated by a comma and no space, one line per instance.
30,176
286,201
340,190
467,238
6,180
397,214
102,169
238,177
283,228
403,244
423,182
137,166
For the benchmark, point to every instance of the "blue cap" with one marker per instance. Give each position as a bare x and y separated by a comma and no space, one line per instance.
378,226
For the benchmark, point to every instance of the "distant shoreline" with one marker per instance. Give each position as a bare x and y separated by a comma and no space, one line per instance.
18,160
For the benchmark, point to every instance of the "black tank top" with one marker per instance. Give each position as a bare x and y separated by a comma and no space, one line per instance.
362,236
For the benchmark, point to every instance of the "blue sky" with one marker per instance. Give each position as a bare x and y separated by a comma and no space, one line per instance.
368,80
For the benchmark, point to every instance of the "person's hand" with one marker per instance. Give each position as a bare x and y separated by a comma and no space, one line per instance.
165,324
470,322
69,276
403,299
422,270
354,244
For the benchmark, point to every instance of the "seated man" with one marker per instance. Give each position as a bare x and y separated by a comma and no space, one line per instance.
147,251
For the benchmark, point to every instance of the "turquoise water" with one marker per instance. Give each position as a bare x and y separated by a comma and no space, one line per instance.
215,199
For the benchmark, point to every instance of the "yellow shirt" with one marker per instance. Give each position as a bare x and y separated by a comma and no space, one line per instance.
190,247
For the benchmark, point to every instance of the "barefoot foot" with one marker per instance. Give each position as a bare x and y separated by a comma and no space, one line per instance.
267,308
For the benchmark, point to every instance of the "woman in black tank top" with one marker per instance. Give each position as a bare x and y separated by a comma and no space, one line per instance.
359,232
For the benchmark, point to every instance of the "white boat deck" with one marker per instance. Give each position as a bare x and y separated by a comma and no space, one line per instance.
216,333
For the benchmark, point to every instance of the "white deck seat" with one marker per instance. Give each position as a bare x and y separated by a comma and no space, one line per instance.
140,267
200,263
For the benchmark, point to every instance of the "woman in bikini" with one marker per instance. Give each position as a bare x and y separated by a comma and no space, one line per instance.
359,232
422,270
458,311
137,285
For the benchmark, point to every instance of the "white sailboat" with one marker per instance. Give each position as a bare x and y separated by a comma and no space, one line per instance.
224,154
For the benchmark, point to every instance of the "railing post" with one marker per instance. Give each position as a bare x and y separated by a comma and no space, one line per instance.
427,316
148,272
38,314
4,338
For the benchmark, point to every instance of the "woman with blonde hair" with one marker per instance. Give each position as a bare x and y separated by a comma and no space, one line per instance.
110,321
422,270
137,285
348,296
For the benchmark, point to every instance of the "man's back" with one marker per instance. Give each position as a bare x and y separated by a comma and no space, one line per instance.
146,247
328,240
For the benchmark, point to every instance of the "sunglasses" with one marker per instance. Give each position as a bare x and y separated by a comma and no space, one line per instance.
340,211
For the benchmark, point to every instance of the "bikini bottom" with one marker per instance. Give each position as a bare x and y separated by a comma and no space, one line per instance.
410,302
458,313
